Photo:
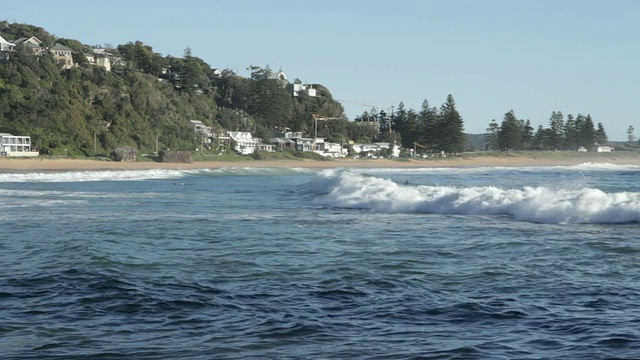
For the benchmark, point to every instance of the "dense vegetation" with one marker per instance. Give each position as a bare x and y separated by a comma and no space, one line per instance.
570,134
147,100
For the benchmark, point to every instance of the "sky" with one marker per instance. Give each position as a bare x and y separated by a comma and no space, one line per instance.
493,56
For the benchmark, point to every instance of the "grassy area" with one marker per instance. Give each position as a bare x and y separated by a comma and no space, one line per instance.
550,155
226,158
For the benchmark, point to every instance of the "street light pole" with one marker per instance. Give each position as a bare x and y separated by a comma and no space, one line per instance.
95,144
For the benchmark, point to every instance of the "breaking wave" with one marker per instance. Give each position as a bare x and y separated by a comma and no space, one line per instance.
345,189
138,175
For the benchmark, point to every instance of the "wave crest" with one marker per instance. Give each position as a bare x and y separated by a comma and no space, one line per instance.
535,204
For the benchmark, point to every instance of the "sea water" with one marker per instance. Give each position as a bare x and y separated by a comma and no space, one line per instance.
238,263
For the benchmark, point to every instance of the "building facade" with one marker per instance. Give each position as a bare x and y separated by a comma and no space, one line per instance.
11,145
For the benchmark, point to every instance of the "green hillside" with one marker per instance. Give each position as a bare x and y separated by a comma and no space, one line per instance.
145,97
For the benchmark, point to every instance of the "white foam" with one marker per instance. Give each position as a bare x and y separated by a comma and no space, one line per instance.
82,176
483,169
535,204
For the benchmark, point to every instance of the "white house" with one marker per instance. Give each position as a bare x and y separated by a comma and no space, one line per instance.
5,45
100,57
376,148
303,88
245,143
334,149
11,145
602,148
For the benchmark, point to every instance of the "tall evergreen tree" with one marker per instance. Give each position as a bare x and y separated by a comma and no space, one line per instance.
631,134
491,138
428,135
526,134
405,125
510,136
587,133
571,133
601,135
270,103
556,130
541,138
451,128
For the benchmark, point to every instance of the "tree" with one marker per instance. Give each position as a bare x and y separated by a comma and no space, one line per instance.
450,127
526,131
631,136
509,136
540,139
587,133
556,130
491,138
571,130
270,103
601,135
427,126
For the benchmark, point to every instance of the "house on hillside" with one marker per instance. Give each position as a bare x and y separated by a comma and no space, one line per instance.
32,43
63,55
100,57
5,45
296,89
5,48
200,128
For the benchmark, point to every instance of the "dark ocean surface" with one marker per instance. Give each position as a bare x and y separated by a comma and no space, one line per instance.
477,263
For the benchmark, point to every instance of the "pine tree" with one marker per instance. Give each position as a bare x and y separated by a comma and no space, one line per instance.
491,138
601,135
427,126
571,133
527,134
631,134
556,130
510,136
541,138
451,128
587,133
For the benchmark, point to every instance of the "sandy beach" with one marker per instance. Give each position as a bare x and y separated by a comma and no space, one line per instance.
61,164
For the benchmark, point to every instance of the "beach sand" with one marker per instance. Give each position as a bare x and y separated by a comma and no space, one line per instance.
63,164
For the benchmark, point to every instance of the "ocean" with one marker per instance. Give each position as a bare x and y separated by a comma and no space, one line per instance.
276,263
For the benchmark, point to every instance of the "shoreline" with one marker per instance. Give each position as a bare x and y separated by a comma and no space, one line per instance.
67,164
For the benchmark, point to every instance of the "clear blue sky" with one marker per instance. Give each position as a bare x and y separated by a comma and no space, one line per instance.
533,56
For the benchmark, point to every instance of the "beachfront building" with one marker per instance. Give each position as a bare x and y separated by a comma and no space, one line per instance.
245,143
11,145
602,148
375,148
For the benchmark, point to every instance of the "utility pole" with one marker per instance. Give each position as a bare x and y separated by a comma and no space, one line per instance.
321,118
157,143
95,143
